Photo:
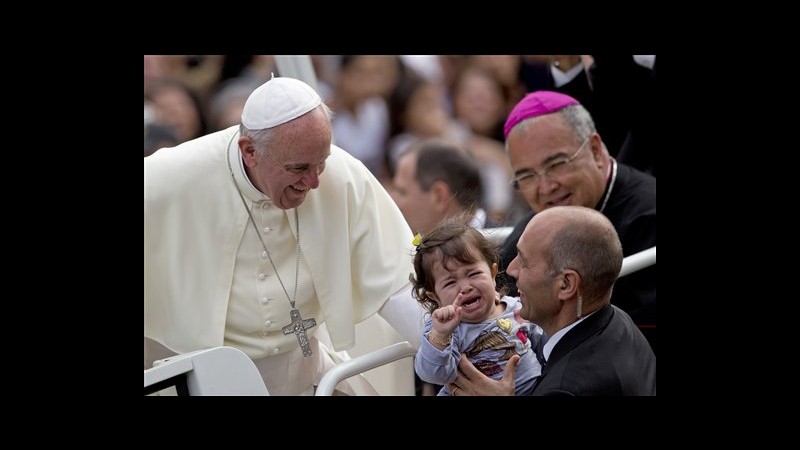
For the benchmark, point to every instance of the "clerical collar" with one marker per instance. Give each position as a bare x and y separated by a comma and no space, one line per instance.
609,186
239,174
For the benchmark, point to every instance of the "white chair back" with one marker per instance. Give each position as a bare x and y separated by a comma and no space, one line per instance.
216,371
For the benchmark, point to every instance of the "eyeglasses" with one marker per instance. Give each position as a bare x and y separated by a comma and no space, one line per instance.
553,170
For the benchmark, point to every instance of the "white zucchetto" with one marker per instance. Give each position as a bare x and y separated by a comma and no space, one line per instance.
278,101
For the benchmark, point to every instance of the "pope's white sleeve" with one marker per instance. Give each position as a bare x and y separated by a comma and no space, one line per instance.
405,315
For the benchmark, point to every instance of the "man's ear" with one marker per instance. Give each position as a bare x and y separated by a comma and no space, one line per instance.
441,194
248,151
570,282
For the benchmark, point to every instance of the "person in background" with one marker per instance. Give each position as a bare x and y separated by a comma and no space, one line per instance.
436,179
156,137
361,123
176,106
417,113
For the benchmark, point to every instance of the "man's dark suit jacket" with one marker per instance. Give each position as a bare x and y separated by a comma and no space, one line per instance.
606,354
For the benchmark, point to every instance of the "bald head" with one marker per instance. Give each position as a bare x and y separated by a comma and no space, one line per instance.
583,240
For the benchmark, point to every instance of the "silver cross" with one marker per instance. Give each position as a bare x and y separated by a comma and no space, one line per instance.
299,327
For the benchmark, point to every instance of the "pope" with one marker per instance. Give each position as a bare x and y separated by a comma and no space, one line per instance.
256,235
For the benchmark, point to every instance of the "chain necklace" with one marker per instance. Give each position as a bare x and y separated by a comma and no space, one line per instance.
611,185
298,326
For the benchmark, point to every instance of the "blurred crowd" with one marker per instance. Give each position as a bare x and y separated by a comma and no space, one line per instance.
384,105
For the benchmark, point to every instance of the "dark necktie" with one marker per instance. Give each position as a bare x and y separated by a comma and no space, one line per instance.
539,349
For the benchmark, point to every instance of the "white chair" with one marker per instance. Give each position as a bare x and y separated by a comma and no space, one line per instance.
638,261
363,363
216,371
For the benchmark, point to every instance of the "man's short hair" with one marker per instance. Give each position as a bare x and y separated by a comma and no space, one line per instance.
443,161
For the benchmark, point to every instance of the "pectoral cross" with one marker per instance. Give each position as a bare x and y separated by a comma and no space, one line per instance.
299,327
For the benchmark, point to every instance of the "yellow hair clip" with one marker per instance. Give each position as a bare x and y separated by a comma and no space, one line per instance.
417,240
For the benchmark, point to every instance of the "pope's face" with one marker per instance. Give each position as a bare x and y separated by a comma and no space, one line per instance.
294,160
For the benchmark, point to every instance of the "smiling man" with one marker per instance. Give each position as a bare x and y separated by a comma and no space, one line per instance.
257,234
559,159
568,261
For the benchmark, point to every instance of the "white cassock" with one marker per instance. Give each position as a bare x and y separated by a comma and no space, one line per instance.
208,281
